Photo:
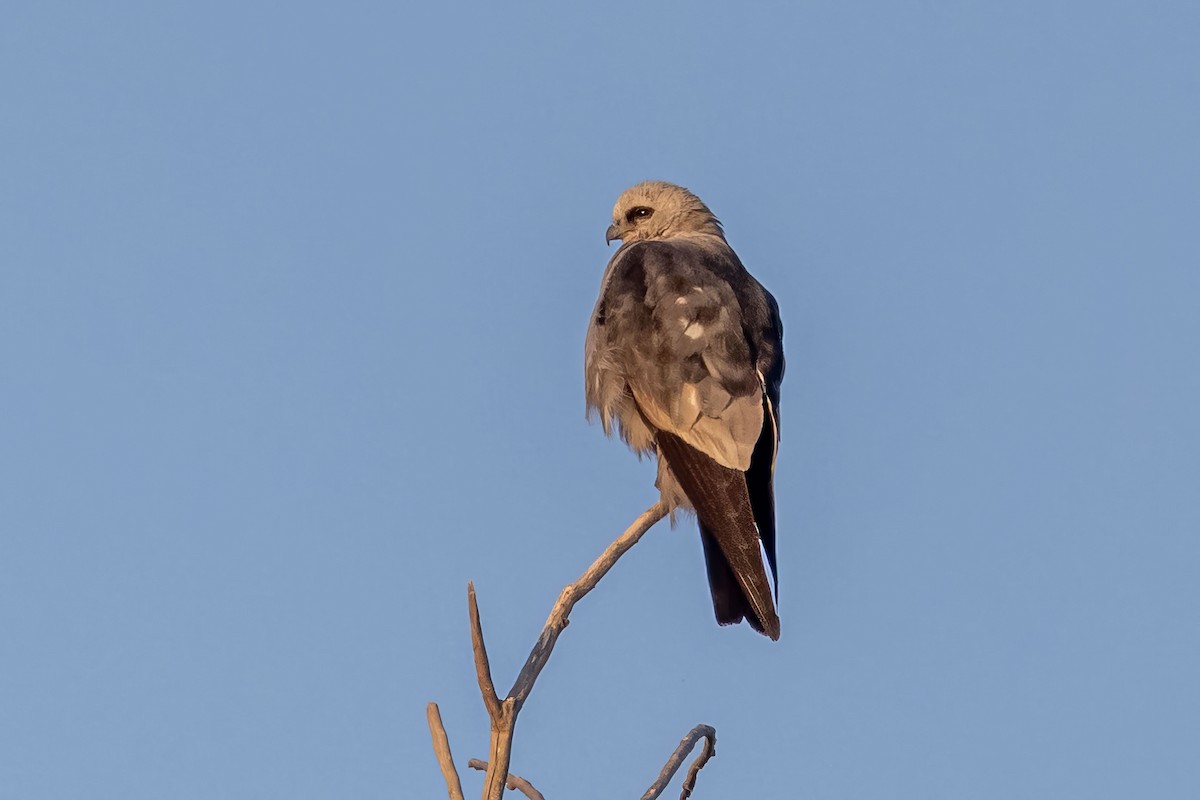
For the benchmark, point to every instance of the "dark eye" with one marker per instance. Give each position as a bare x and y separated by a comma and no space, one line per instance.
638,212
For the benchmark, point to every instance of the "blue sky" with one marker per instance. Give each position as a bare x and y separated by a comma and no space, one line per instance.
292,304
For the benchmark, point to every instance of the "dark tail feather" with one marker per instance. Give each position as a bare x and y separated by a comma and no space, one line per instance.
729,601
722,504
760,480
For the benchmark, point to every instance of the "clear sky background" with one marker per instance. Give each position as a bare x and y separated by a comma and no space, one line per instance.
292,306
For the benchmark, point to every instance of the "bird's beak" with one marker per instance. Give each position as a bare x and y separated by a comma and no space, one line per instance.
613,232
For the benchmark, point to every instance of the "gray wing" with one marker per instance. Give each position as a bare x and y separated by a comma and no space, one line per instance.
672,357
668,335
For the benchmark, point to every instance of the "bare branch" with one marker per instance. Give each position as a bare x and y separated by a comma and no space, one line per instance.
503,714
515,782
572,594
710,750
705,732
483,669
441,747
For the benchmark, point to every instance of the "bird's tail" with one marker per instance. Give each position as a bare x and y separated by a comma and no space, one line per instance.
736,574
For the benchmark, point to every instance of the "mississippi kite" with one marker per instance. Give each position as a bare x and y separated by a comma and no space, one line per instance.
684,357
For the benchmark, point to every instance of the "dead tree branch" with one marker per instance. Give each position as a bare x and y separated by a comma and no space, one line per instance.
705,732
504,720
572,594
441,747
503,713
483,669
515,782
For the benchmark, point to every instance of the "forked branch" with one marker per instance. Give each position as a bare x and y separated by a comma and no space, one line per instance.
503,713
705,732
504,719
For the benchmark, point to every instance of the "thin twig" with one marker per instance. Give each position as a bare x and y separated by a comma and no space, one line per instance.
501,714
705,732
709,750
515,782
441,747
483,670
575,592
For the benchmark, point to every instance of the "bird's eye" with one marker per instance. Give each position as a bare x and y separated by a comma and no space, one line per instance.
638,213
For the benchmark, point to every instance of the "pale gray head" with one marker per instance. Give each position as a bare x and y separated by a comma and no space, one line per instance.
658,210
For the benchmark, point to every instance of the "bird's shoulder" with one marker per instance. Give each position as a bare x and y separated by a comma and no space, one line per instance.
708,257
683,280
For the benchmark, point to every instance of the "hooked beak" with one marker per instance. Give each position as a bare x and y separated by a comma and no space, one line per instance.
613,232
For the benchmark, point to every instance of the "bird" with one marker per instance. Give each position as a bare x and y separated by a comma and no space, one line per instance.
683,360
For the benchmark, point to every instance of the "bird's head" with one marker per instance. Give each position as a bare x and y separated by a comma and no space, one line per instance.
658,210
